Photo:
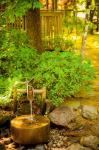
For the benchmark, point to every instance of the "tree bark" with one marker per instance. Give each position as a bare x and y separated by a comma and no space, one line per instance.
47,2
54,4
33,24
84,35
97,29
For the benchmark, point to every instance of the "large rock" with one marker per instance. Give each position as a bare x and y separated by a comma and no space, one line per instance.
95,129
89,112
62,116
58,149
90,141
5,116
2,146
77,147
39,147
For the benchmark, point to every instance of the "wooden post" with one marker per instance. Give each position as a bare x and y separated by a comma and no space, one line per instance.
84,35
54,4
14,99
97,18
30,95
43,98
47,2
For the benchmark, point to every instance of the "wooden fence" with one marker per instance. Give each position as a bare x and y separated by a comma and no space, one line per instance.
51,23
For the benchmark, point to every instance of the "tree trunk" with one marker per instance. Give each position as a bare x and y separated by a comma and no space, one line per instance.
47,2
97,18
54,4
92,12
84,35
33,24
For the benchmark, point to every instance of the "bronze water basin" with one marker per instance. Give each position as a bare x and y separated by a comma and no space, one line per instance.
27,131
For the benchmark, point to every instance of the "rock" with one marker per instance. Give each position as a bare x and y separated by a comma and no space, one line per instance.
78,123
4,132
77,147
5,116
95,129
29,149
6,140
49,106
62,116
89,112
11,146
2,146
21,148
58,149
39,147
90,141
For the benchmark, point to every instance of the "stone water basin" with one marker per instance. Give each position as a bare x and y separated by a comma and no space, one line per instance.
27,131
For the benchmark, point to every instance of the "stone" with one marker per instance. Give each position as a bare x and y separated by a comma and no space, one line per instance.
5,116
77,146
21,148
58,149
89,112
62,116
4,132
2,146
29,149
6,140
95,129
90,141
11,146
49,106
39,147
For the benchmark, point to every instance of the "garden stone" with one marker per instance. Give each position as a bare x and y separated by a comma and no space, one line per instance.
2,146
22,148
5,116
77,147
62,116
95,129
49,106
89,112
6,140
58,149
40,147
90,141
31,149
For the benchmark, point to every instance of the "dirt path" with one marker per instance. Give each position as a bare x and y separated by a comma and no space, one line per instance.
92,53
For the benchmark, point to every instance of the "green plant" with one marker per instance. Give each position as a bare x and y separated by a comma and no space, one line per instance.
63,74
17,57
73,22
59,43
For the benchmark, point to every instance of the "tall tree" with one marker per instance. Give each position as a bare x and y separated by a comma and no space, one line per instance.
84,36
54,4
18,8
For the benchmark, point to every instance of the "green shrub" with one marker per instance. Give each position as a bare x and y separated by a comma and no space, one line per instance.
63,74
59,43
17,57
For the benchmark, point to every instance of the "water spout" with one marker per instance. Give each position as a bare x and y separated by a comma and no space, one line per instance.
30,97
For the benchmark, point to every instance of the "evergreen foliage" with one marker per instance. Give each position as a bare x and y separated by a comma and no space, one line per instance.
17,57
17,8
63,74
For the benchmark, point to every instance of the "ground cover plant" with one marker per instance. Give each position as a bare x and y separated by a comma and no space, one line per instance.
59,43
63,74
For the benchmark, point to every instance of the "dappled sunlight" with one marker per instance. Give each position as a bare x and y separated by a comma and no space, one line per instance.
92,41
